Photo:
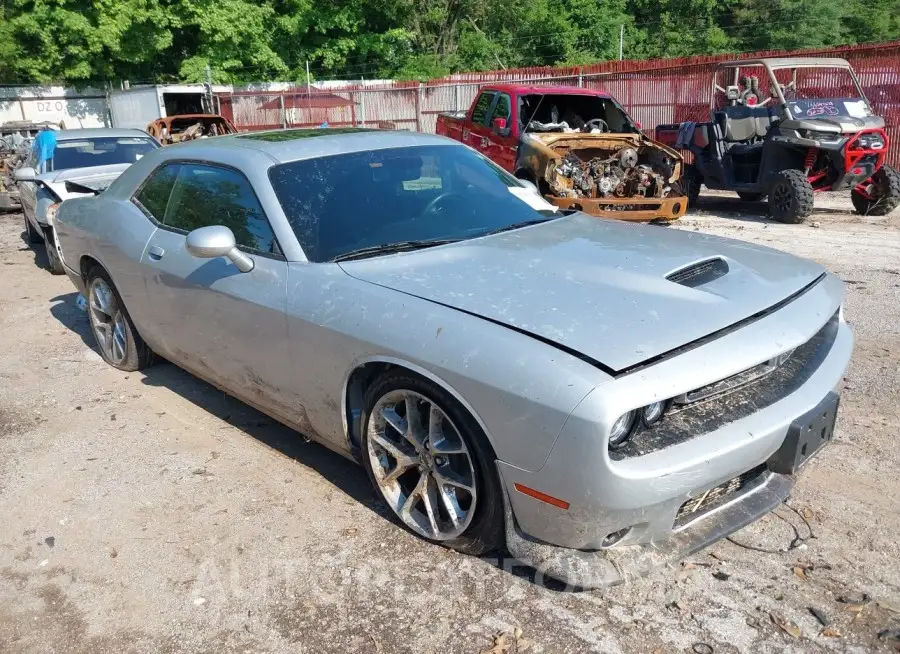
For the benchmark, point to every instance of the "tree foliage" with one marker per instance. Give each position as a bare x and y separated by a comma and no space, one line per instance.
89,41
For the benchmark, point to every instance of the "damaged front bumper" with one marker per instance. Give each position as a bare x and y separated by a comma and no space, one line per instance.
631,209
610,567
704,473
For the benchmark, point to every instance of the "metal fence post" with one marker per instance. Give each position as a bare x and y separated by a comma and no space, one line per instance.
456,97
580,76
362,107
282,114
419,93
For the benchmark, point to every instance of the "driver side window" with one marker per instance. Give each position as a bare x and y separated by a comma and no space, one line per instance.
206,195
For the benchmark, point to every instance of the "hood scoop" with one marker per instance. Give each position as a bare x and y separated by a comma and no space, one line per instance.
698,274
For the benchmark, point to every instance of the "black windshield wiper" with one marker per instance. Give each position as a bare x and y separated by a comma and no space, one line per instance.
390,248
524,223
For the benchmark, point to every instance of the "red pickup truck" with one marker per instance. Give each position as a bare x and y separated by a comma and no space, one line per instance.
578,146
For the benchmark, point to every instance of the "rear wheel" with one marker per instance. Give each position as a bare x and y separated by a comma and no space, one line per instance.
790,197
431,464
120,344
751,197
882,193
691,182
32,235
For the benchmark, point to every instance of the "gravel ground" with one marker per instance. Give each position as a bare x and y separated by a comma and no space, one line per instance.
148,512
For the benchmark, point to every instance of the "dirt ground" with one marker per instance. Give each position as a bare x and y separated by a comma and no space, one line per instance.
148,512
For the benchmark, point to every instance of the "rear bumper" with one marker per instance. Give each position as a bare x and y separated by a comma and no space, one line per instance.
633,209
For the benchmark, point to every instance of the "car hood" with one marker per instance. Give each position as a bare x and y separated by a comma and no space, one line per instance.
598,287
96,178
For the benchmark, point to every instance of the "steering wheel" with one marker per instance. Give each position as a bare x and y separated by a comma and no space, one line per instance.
431,206
596,122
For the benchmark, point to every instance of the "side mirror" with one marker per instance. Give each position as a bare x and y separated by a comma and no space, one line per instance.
499,125
217,241
24,174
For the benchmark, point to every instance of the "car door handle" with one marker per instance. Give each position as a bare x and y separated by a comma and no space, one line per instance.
155,253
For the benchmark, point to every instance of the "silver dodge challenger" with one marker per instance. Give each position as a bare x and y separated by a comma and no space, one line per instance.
600,398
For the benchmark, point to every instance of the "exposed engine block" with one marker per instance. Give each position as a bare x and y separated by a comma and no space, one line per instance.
619,175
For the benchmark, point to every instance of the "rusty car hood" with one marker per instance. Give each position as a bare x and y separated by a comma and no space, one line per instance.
595,287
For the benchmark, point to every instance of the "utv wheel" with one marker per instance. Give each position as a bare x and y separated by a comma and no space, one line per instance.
751,197
32,235
120,344
691,182
790,197
884,194
431,463
54,261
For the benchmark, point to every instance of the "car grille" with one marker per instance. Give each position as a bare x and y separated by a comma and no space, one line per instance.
718,495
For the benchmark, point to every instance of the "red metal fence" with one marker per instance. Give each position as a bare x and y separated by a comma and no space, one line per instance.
655,92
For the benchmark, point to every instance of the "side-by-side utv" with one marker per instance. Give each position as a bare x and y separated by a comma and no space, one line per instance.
784,129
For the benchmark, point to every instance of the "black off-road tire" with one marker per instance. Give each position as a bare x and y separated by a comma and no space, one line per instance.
32,235
54,263
790,197
486,532
691,181
138,355
751,197
886,196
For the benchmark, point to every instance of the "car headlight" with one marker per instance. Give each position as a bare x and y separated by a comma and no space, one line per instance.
622,429
51,212
653,413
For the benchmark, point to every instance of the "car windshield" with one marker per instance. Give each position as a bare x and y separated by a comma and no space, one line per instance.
100,151
361,200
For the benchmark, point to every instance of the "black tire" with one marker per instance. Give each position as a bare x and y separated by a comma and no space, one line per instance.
751,197
54,263
790,197
32,235
137,354
885,197
486,529
691,182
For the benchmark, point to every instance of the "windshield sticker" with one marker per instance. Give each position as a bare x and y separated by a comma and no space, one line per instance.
531,198
857,109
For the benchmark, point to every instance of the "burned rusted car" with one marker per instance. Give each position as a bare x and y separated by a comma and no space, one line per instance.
175,129
578,146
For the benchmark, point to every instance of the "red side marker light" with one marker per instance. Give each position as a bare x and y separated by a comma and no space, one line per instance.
543,497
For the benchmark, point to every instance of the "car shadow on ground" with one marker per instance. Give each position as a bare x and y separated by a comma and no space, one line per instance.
342,473
37,250
752,212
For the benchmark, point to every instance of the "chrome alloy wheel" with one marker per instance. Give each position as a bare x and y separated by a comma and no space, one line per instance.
107,321
422,465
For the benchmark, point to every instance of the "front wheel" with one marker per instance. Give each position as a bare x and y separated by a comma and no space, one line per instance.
790,197
53,257
880,196
120,344
431,464
32,235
